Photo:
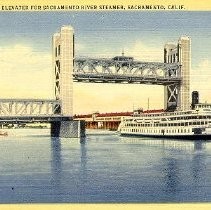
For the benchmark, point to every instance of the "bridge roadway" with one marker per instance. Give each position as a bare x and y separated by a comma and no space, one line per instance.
33,119
123,69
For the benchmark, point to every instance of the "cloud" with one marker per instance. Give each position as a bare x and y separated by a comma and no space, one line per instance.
137,49
200,80
79,48
25,73
144,52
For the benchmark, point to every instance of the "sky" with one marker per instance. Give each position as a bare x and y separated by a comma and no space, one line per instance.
26,54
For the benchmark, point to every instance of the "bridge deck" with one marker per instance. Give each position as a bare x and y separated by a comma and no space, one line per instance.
33,119
112,78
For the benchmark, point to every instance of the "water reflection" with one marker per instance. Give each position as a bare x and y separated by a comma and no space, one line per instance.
168,144
182,166
109,169
170,166
198,165
82,140
199,145
57,161
56,164
83,168
171,176
179,164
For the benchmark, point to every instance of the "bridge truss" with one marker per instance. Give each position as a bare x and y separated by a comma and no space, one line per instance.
29,107
126,71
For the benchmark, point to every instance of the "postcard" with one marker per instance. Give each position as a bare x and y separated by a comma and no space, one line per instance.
105,104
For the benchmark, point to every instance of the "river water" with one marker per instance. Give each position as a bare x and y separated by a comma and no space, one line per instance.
104,168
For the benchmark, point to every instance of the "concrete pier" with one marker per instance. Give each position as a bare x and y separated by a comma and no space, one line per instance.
68,129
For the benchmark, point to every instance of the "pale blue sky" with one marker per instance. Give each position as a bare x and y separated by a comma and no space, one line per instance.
111,30
100,34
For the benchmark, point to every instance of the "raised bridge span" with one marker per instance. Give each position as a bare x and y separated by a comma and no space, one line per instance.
122,69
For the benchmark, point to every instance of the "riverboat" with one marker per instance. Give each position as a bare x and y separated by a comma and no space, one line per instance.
191,124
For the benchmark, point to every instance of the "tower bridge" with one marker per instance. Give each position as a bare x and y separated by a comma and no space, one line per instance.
173,74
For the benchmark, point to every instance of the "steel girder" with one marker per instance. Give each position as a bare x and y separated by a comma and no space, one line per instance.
113,71
29,107
33,119
172,96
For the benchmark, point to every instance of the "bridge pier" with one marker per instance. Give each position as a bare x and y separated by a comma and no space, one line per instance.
68,129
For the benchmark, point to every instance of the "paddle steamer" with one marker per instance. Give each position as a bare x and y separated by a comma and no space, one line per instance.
192,124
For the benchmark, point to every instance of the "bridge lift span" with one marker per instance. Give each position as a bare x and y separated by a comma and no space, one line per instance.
125,71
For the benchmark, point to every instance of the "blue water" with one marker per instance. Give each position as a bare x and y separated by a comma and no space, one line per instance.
105,168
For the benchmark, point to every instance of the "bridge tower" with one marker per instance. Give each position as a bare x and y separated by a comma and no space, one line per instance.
63,59
178,96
